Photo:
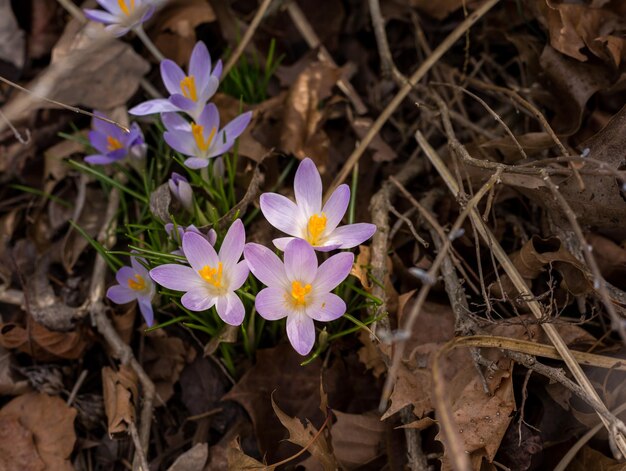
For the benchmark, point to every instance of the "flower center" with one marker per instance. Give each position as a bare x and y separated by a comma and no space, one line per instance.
198,134
315,228
212,276
126,9
188,87
137,284
298,292
113,144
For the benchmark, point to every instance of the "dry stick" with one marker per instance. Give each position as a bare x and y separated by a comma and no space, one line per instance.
379,208
598,280
517,281
404,91
386,60
232,60
77,385
138,447
311,38
105,327
58,103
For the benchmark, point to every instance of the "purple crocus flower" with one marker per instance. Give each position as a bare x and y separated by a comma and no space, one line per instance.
210,236
181,189
134,284
307,219
203,139
121,15
113,144
188,93
212,278
298,289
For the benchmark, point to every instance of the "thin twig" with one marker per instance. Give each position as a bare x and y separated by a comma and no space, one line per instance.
77,385
447,43
517,280
254,24
138,448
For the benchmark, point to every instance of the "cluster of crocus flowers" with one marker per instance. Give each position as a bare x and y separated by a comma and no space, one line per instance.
201,138
113,143
121,16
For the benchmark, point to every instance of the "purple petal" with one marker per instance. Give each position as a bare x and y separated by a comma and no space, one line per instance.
300,261
99,141
336,207
182,102
181,141
265,265
135,262
111,5
326,307
238,275
196,163
230,133
175,122
351,235
117,30
211,236
148,14
301,332
308,188
282,213
123,275
198,251
176,277
145,307
100,16
158,105
333,271
172,75
270,303
326,247
282,242
97,159
230,309
198,299
217,71
208,89
232,246
200,63
121,294
209,119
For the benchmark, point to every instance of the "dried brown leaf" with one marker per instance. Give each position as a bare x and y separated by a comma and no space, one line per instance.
302,133
238,460
51,422
9,386
192,460
357,438
120,395
306,435
17,447
589,459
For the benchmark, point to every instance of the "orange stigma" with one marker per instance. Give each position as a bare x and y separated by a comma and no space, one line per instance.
137,284
198,134
113,144
126,9
315,228
298,292
188,87
212,276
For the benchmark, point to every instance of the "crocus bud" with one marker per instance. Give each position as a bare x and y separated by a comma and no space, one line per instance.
181,189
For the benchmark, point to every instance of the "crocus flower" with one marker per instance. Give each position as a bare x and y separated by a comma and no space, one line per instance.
298,289
212,278
134,284
113,143
210,236
203,139
121,15
307,219
188,93
181,189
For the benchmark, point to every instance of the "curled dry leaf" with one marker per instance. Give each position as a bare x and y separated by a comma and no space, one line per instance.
120,395
611,259
306,435
238,460
193,459
41,343
51,423
302,133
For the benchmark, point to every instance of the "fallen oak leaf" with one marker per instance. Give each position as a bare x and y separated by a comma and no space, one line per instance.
238,460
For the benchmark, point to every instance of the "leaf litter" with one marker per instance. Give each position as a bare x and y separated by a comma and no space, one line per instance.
539,136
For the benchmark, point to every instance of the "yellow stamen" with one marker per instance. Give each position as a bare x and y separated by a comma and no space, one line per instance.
138,284
298,292
212,276
113,144
315,228
198,134
126,9
188,87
